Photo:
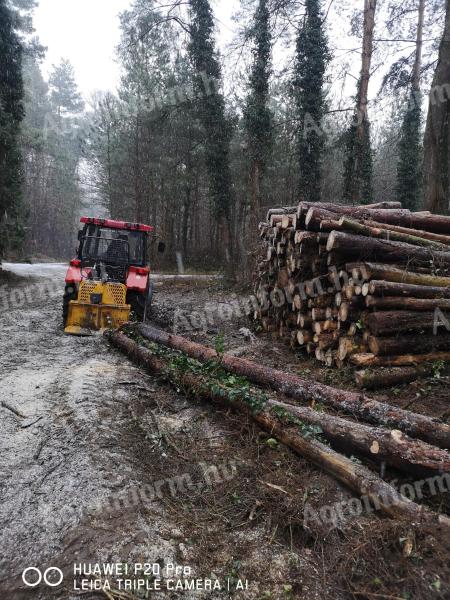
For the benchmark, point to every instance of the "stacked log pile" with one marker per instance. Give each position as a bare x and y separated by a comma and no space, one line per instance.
366,284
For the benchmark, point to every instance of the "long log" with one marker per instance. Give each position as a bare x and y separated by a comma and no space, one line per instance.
368,409
357,477
371,360
432,223
401,217
371,380
385,323
436,237
401,345
370,270
391,288
399,252
346,209
420,304
382,445
385,234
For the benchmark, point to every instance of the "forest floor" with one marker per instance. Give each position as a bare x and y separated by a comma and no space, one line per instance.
93,450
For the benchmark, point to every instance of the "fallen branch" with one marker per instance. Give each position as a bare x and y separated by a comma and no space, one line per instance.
15,411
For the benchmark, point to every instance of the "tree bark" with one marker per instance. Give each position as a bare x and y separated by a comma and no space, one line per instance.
437,132
419,426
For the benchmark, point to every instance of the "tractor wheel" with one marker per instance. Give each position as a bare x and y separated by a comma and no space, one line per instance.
137,302
140,303
70,293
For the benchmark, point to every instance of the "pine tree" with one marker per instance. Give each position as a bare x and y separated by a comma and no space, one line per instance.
257,115
11,115
211,112
64,92
312,57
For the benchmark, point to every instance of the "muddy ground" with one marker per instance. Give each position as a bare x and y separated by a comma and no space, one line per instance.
95,454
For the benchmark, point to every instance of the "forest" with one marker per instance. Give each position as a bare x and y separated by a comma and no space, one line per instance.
316,100
225,299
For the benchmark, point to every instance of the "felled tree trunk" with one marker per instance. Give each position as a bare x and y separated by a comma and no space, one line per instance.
436,237
401,344
389,288
378,232
384,323
370,360
415,425
419,304
371,380
399,252
370,270
357,477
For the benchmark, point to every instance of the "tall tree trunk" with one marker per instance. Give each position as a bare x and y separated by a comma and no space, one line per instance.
186,214
419,44
258,125
409,185
137,174
358,162
255,206
437,133
367,51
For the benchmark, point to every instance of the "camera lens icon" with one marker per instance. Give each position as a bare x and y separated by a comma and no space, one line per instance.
32,577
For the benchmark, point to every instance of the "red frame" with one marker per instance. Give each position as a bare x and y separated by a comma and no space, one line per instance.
116,224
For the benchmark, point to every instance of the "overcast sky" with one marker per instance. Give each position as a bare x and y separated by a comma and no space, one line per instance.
87,31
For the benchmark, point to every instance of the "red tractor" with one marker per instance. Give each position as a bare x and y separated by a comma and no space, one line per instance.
109,278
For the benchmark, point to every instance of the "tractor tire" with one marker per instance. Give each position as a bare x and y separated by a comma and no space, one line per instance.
138,301
70,293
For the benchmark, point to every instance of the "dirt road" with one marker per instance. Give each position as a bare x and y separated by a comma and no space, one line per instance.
84,437
65,454
100,463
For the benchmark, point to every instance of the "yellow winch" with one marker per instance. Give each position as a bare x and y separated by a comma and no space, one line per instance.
99,306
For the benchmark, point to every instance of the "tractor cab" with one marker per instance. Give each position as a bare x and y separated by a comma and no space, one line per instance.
109,276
